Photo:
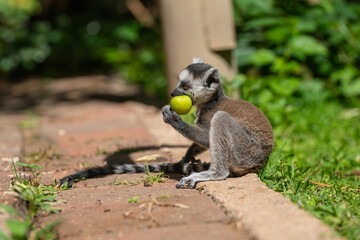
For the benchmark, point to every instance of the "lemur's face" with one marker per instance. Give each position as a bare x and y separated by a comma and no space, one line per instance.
199,81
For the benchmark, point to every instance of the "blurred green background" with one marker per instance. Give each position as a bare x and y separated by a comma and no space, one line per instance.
280,44
297,60
58,38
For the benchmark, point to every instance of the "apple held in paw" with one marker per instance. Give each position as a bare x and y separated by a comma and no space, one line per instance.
181,104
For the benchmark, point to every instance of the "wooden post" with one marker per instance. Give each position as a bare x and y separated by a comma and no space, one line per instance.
198,28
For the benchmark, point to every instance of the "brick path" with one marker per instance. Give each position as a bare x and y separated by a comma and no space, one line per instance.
83,129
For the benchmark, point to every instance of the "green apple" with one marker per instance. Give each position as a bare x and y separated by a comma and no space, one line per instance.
181,104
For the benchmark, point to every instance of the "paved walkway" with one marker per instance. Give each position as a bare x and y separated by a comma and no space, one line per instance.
91,121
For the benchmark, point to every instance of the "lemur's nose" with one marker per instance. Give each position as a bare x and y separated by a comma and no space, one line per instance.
176,92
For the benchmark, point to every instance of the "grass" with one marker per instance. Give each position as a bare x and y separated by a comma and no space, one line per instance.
36,195
32,121
37,198
44,154
134,199
125,182
316,163
316,159
150,179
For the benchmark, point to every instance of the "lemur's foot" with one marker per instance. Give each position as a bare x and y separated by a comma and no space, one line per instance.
203,176
185,181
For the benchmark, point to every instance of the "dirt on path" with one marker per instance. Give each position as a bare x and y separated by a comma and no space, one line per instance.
90,121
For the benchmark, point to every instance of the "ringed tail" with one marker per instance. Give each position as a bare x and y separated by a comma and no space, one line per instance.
178,167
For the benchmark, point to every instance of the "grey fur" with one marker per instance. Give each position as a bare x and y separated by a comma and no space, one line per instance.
238,134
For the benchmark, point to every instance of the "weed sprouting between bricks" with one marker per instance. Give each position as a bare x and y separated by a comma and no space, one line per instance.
37,198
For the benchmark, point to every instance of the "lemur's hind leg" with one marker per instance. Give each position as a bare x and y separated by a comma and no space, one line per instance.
193,151
230,149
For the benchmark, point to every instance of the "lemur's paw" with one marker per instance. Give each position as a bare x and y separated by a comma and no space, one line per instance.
169,115
186,181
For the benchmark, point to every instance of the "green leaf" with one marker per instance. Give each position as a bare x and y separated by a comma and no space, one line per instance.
243,54
147,56
18,229
10,210
345,75
312,91
263,22
128,32
306,25
255,7
352,89
283,66
304,45
135,199
285,87
3,236
15,171
48,231
263,57
31,166
278,34
265,97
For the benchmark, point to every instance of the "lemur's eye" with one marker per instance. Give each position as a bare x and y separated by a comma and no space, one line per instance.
185,87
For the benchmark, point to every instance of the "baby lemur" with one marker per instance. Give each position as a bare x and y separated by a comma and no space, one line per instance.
238,134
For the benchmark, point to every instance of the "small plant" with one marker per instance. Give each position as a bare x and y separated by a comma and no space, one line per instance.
23,228
126,182
134,199
101,151
17,227
43,154
62,187
165,196
37,198
151,179
114,182
80,179
36,195
32,121
47,232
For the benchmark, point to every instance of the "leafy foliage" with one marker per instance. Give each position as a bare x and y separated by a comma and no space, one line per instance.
37,198
89,36
298,63
282,41
21,45
36,195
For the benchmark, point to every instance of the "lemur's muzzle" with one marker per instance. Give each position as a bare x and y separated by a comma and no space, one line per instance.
176,92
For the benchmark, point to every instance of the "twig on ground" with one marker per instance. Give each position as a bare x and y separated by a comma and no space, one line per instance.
327,185
135,213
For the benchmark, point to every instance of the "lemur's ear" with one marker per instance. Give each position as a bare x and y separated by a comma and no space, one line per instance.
197,60
212,76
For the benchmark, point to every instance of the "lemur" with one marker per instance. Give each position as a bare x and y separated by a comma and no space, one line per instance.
238,134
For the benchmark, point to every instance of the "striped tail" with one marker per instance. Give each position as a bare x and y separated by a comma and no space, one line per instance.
178,167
